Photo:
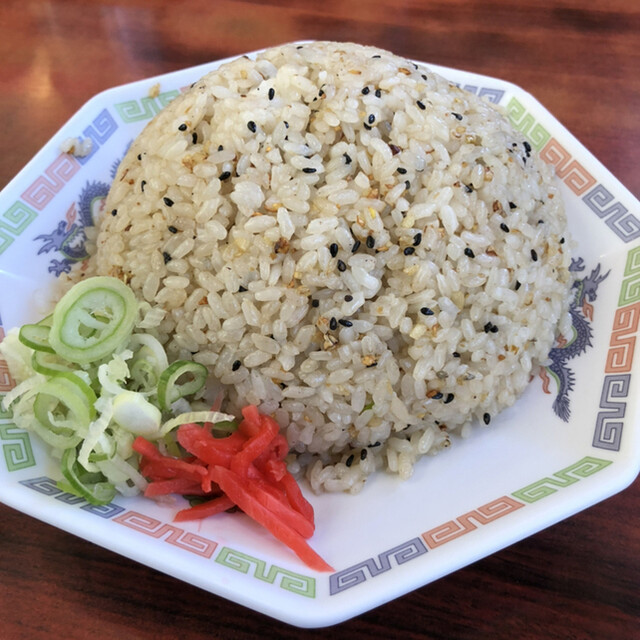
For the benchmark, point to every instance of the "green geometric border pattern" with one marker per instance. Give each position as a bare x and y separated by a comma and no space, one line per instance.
13,222
525,122
563,478
294,582
630,290
16,447
145,108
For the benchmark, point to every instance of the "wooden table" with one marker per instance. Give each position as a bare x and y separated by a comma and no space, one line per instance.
578,579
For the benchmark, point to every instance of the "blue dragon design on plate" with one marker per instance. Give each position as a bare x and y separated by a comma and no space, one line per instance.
68,238
569,347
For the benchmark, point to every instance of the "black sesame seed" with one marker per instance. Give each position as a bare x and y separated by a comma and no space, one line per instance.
114,212
363,454
468,188
356,246
513,205
504,227
333,324
371,119
378,93
194,138
517,285
347,158
315,303
494,329
225,175
365,91
341,266
534,255
457,116
407,185
487,327
408,251
449,398
345,323
182,127
437,396
401,170
376,56
172,229
421,104
425,311
236,365
375,444
168,201
139,157
527,147
541,221
487,418
142,184
220,147
417,239
166,256
349,460
348,297
309,170
286,124
272,93
469,253
241,289
251,125
562,241
333,249
455,354
366,126
371,242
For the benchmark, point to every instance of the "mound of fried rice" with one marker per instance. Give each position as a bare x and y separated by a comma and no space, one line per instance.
367,252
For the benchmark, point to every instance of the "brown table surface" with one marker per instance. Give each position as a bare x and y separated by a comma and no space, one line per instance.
577,579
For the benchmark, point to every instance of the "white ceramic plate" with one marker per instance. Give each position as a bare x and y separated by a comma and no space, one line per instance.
570,441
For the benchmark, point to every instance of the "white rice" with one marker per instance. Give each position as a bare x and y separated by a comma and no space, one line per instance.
362,249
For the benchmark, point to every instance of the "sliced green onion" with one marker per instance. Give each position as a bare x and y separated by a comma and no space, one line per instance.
64,405
49,364
36,337
227,426
367,407
90,486
223,421
124,475
57,441
170,390
19,390
133,412
151,347
113,374
148,362
96,438
47,321
93,319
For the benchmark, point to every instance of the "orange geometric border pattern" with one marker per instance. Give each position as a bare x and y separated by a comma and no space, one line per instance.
569,170
465,523
174,535
623,339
